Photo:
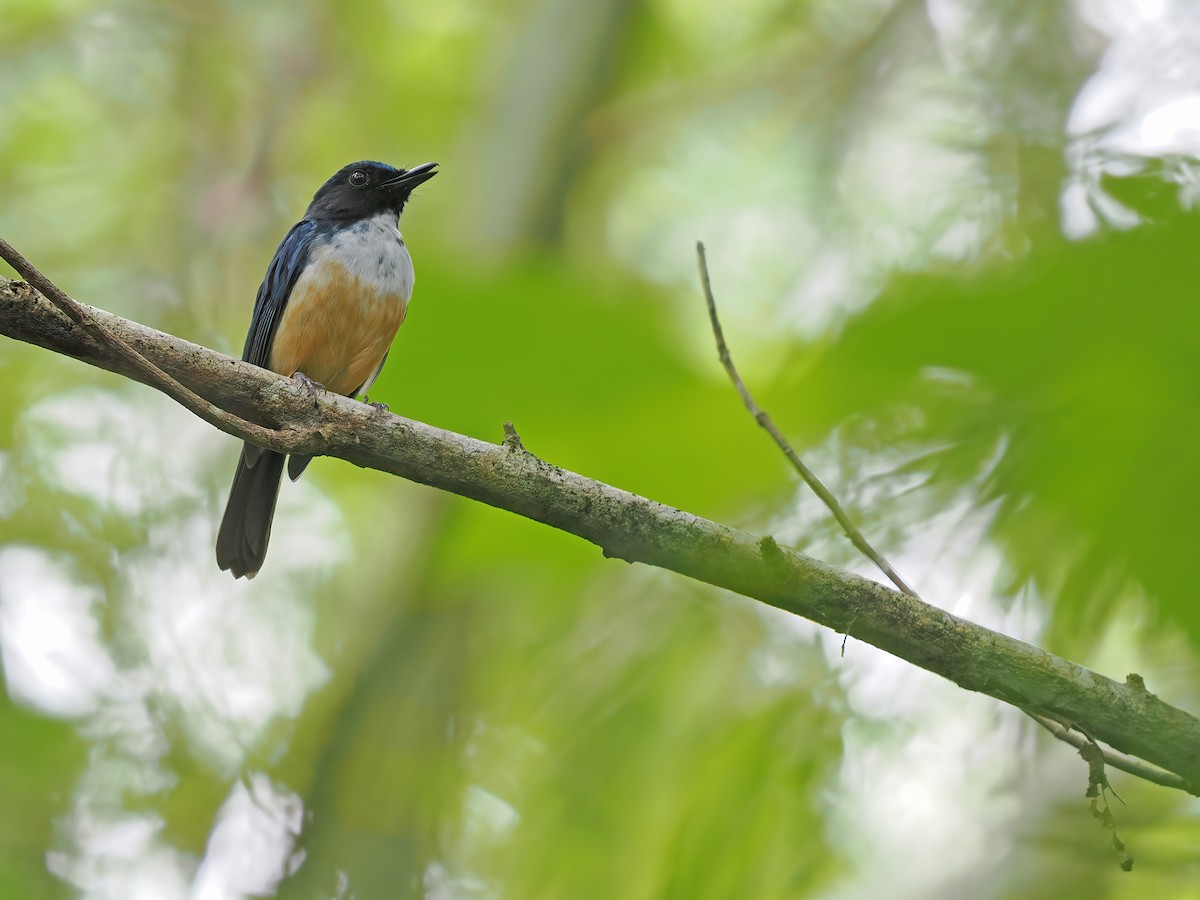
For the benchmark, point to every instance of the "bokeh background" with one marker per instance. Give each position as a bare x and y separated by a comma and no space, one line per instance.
954,246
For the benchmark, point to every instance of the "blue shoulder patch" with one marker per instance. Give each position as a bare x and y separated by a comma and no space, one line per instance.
290,260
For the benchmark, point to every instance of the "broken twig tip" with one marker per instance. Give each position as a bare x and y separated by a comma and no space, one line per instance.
769,549
609,553
512,440
1135,681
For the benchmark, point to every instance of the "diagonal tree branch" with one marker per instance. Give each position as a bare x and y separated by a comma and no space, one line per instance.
1123,715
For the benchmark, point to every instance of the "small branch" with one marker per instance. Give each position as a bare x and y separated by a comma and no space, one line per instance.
1110,758
512,440
153,375
764,419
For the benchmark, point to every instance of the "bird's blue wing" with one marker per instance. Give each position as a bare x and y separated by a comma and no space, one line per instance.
273,293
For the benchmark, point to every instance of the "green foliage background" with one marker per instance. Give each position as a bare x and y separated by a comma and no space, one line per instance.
957,264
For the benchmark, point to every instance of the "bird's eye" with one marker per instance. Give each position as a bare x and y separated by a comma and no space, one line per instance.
358,178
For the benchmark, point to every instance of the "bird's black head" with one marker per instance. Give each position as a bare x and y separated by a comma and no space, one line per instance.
365,189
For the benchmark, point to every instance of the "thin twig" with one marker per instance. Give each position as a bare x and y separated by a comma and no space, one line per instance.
1078,741
764,419
1111,757
155,376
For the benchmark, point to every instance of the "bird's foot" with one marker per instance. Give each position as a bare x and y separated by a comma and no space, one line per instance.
380,408
313,387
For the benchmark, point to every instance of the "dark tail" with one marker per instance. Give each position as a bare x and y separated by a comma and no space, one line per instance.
246,527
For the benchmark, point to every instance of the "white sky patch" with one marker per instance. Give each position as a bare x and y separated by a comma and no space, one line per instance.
250,848
1077,218
752,215
489,818
1173,127
833,280
127,452
1142,102
931,806
53,656
121,857
799,238
229,656
1116,17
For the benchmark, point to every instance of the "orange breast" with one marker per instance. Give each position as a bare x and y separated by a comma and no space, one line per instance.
336,328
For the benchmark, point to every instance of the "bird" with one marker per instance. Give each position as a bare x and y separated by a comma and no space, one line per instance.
333,298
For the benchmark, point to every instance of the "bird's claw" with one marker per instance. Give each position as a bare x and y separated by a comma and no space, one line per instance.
380,408
313,387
